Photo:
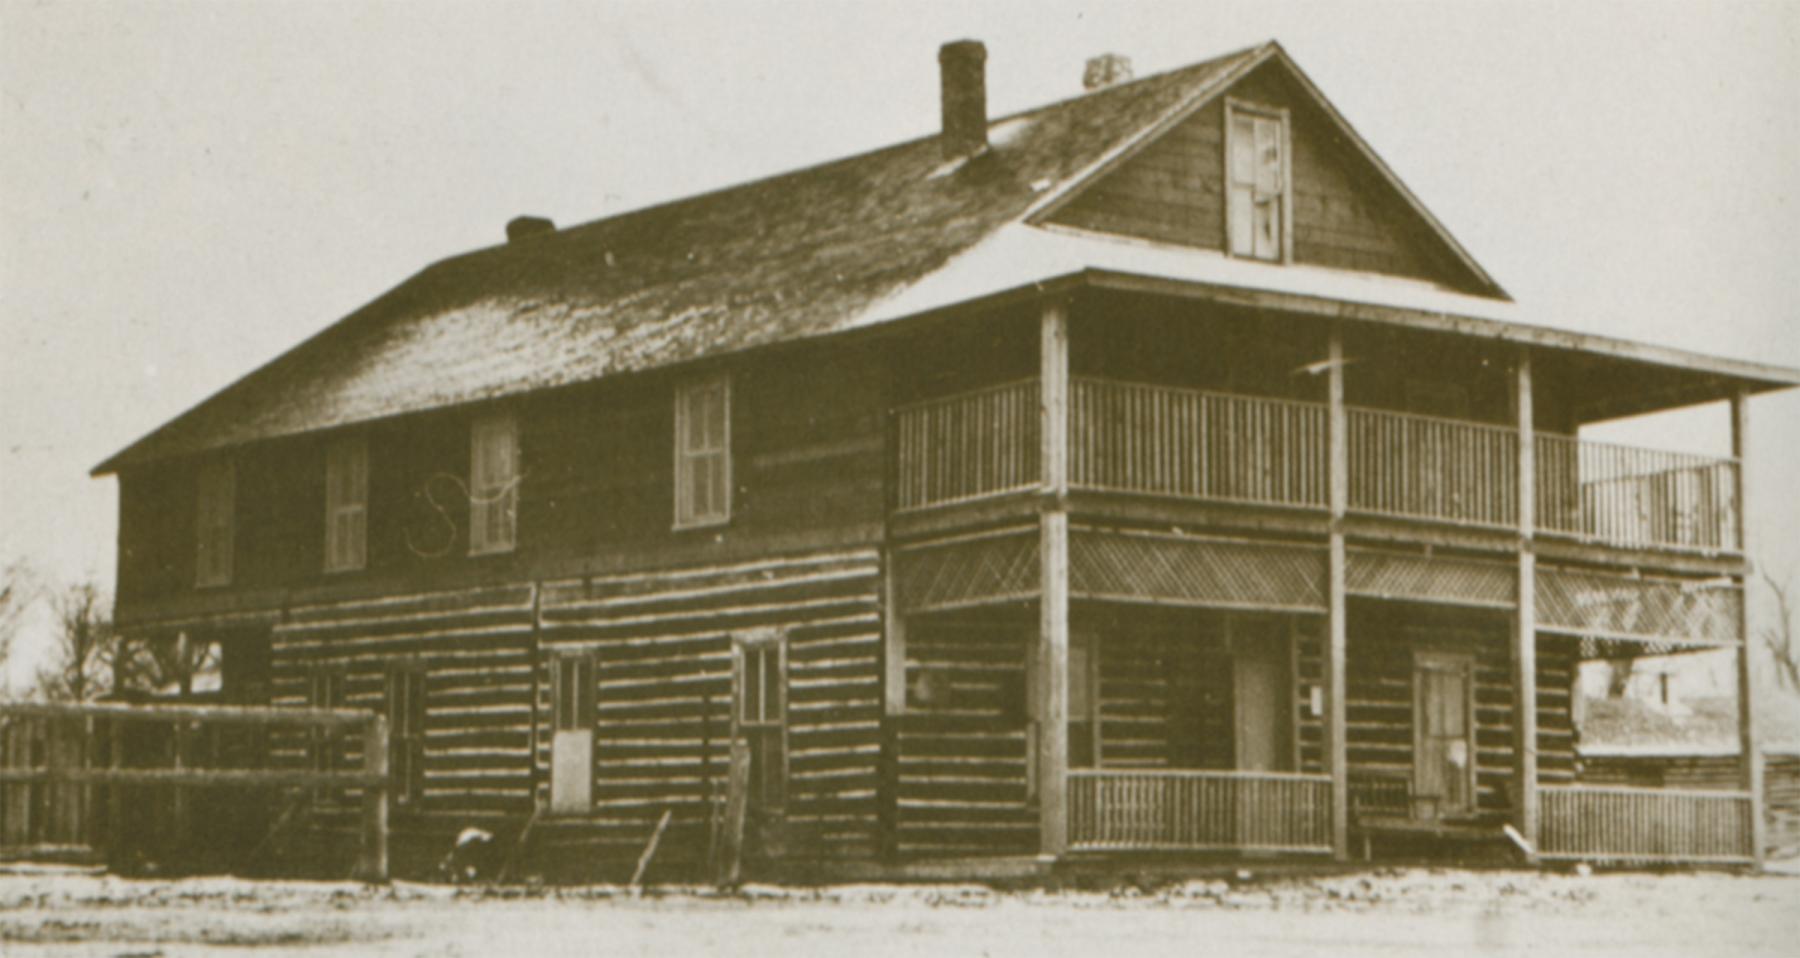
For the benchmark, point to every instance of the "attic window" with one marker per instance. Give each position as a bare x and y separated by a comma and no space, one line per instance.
1258,214
214,527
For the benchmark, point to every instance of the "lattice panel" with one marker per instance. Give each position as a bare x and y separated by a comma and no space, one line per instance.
968,572
1202,572
1667,614
1384,575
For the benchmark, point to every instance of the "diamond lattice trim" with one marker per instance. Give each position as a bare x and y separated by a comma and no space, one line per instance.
1431,579
1196,571
1667,613
968,572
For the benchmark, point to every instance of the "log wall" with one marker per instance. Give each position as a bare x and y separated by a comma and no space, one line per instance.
662,645
960,749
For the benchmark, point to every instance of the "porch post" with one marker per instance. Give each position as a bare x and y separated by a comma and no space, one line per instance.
1338,470
1525,726
1053,570
1750,758
893,704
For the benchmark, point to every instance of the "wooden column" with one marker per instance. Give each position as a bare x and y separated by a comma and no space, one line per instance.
1524,658
893,707
1750,758
1053,570
1337,622
372,861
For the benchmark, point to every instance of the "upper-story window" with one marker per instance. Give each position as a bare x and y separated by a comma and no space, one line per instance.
703,453
1258,216
214,526
494,485
346,504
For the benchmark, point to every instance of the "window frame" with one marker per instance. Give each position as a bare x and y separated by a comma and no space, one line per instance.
1234,108
215,514
348,453
485,497
685,458
581,714
406,728
769,647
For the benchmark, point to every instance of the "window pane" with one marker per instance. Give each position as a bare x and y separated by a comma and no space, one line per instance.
1268,155
1268,229
771,697
1243,149
1239,215
752,687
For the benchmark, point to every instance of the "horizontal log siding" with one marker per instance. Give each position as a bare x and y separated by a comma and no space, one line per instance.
1379,702
960,748
662,641
475,647
1165,701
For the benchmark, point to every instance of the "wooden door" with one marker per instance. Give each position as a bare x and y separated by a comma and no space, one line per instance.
572,739
1263,701
759,716
1443,735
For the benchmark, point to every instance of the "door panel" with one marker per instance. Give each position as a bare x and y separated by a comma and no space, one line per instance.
1444,747
572,740
1264,703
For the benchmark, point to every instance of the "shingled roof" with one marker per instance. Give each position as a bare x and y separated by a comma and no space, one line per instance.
873,238
798,255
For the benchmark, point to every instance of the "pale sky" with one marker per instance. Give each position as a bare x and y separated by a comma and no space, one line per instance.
187,189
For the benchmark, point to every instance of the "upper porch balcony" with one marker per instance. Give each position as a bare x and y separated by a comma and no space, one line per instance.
1186,444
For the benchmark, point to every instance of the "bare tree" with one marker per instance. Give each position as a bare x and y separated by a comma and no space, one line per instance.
17,589
1778,635
80,666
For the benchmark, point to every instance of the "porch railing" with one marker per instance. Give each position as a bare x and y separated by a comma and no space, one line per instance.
1431,468
1193,444
1623,495
1618,823
1130,437
1195,810
968,446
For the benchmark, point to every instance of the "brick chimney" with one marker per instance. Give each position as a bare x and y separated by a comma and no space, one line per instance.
962,69
1106,70
525,227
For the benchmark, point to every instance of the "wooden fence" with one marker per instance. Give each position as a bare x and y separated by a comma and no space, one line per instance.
1195,810
71,784
1642,825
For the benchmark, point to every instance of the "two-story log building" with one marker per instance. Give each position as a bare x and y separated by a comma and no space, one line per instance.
1149,471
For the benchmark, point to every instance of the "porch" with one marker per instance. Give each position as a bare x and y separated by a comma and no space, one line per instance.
1133,439
1420,505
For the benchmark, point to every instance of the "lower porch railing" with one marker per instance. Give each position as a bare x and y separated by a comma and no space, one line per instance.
1195,810
1618,823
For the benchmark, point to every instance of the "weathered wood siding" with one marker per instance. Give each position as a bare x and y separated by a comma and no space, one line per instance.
1344,215
1379,695
475,647
662,643
597,466
960,748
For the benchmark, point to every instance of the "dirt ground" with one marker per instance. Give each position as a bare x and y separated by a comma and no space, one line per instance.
1392,912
